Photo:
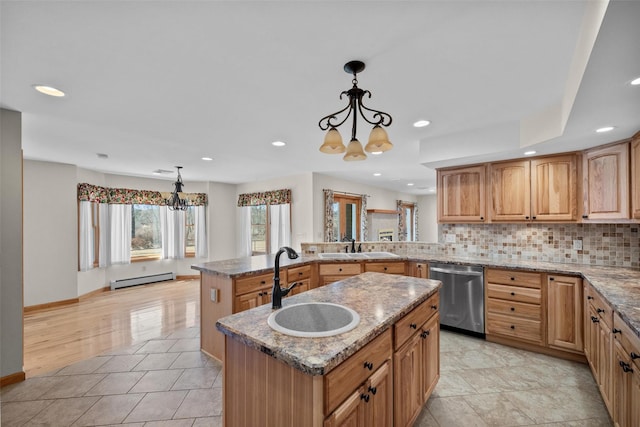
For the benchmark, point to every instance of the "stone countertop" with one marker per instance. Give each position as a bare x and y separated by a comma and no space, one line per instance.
619,286
380,300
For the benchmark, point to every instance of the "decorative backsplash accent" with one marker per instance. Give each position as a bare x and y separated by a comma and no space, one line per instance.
612,245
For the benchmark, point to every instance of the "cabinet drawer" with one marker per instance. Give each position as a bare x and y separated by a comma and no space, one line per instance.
410,323
516,278
514,293
629,340
385,267
253,283
298,273
514,309
599,306
346,377
340,269
524,329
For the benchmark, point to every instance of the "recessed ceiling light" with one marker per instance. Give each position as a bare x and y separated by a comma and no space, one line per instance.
635,82
49,90
376,153
278,143
102,155
410,184
421,123
529,153
604,129
208,159
431,190
377,174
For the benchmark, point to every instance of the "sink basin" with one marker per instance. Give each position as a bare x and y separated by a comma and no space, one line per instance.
380,255
350,255
313,319
334,255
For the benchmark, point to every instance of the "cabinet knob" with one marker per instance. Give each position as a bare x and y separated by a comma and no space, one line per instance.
625,366
299,273
634,356
594,319
339,269
512,278
600,310
513,309
616,330
373,390
589,297
365,397
262,282
533,217
385,269
551,278
481,218
585,216
526,217
434,307
424,334
513,326
513,294
413,326
368,365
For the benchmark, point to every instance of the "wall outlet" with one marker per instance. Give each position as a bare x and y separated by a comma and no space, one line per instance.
450,238
313,248
577,244
214,295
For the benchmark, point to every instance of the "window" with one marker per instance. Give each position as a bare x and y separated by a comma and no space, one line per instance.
190,232
146,238
95,229
408,234
346,215
259,229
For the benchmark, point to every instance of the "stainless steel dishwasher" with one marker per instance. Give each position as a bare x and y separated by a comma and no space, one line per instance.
461,297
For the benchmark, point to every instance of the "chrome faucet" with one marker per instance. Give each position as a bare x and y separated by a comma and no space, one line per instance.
278,292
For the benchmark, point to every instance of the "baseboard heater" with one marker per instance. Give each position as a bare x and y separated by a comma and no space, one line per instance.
142,280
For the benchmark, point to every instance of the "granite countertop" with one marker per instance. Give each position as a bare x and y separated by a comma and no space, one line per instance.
380,300
619,286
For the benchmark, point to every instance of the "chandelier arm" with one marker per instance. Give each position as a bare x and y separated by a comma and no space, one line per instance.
384,119
327,119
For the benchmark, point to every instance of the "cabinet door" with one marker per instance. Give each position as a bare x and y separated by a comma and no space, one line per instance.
605,364
606,183
510,186
591,332
635,397
564,305
379,387
431,356
553,188
407,374
420,270
461,194
635,176
252,300
301,286
622,378
351,413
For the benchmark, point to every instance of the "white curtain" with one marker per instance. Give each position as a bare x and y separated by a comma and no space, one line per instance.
280,227
120,232
86,244
244,246
202,246
104,253
172,225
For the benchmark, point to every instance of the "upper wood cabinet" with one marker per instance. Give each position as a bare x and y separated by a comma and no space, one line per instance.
461,194
554,188
510,191
635,176
605,177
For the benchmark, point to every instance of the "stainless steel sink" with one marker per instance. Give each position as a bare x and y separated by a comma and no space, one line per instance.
313,319
380,255
334,255
356,255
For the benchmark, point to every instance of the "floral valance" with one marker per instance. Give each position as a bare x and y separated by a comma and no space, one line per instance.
125,196
275,197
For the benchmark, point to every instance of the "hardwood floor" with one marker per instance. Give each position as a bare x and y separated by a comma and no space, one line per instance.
60,336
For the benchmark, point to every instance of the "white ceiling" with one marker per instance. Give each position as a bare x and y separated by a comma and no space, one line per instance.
155,84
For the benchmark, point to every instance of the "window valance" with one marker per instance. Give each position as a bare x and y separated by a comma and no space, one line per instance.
125,196
275,197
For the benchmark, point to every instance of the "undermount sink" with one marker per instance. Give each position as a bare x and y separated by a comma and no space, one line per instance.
381,255
313,319
356,255
334,255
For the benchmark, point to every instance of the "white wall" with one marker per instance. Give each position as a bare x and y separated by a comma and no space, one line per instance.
50,232
428,218
380,198
222,221
301,203
10,243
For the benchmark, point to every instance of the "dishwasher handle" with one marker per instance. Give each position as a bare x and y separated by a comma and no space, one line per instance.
457,272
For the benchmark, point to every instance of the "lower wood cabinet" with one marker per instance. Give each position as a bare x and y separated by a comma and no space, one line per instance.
564,315
626,375
419,269
329,273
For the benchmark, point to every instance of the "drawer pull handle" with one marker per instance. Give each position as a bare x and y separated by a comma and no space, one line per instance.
634,356
513,294
513,309
385,269
365,397
616,331
262,282
600,310
368,365
339,269
513,327
512,278
413,326
551,278
625,366
373,390
435,307
589,297
424,334
594,319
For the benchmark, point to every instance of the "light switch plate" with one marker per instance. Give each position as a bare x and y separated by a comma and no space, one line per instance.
214,295
577,244
451,238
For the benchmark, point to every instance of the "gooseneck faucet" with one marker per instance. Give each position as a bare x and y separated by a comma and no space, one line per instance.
353,246
278,292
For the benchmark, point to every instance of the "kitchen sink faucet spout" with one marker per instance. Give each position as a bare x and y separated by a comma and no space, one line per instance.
278,292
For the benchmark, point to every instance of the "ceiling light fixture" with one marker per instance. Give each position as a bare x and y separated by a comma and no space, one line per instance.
278,143
605,129
49,90
421,123
378,139
377,174
529,153
410,184
175,203
635,82
208,159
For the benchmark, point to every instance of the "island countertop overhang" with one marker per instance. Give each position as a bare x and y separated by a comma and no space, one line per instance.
380,300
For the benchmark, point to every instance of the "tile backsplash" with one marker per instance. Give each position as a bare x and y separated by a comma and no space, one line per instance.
601,244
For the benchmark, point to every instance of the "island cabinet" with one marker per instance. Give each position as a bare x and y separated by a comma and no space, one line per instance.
599,342
564,315
605,173
332,272
416,360
635,176
514,306
461,194
626,375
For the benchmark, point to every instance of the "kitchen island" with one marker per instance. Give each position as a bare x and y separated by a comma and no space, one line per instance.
276,379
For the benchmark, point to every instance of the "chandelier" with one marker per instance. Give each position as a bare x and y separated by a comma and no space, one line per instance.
378,139
174,202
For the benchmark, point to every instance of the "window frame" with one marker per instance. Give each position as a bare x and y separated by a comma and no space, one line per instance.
144,257
409,225
343,200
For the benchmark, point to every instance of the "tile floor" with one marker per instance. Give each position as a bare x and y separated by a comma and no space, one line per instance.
168,382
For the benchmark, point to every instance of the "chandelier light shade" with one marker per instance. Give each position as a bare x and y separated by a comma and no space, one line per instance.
378,139
174,202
